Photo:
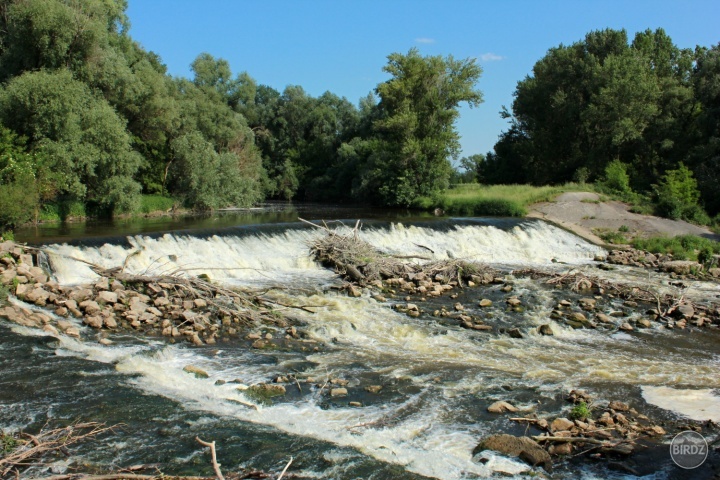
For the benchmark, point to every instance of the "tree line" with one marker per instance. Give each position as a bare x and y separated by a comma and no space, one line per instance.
88,115
639,117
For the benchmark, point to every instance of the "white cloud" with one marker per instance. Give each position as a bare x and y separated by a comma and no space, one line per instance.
425,40
491,57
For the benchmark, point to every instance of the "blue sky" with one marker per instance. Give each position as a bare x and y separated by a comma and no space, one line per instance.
341,46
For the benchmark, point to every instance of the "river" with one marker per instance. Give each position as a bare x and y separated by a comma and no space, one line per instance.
437,378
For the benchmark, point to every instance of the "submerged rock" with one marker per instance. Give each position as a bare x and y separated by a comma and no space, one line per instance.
198,372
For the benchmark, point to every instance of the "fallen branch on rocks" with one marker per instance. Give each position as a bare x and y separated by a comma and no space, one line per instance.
361,263
57,439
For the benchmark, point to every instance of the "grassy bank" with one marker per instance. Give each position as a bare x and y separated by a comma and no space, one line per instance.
683,247
74,210
495,200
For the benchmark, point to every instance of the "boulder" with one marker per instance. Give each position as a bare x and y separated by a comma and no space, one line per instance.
501,407
545,329
338,392
681,267
90,307
525,448
374,388
485,302
515,333
107,297
197,371
561,424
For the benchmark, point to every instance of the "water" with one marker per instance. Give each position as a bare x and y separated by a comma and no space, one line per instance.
437,378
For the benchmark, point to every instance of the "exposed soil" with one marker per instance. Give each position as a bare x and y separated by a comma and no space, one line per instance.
582,212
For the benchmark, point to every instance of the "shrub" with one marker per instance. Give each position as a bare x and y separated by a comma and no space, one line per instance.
616,178
581,411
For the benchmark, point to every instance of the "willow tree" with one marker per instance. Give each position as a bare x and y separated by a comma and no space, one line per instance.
414,135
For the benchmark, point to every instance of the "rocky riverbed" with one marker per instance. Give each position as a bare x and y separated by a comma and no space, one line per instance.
180,312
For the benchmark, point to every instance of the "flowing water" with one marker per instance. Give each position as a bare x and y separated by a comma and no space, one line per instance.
437,378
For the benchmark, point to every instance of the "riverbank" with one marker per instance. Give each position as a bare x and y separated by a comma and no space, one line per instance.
586,215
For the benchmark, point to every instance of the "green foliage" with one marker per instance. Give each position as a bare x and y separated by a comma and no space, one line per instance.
616,178
156,203
414,129
624,229
82,136
680,185
612,237
581,411
683,247
8,443
209,180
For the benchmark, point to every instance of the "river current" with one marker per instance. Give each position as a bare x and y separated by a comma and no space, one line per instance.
437,378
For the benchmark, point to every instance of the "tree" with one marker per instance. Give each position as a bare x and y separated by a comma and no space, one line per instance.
415,133
84,138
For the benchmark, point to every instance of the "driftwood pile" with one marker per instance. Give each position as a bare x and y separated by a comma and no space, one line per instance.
359,262
23,451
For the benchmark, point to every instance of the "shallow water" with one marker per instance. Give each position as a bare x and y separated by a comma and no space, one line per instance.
437,378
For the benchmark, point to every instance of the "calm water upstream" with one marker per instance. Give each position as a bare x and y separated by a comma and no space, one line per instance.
437,378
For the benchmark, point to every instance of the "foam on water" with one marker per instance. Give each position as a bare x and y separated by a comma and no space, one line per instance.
278,257
696,404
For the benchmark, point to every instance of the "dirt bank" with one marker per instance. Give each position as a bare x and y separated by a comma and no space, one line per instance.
583,212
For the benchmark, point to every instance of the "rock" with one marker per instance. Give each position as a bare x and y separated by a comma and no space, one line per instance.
545,329
681,267
355,404
683,310
619,406
525,448
110,322
515,333
378,297
644,323
561,424
102,284
578,317
38,296
458,307
656,430
73,332
374,388
501,407
560,449
626,327
50,329
354,291
94,321
107,297
267,390
485,302
338,392
22,290
252,336
90,307
513,301
587,303
602,318
105,341
80,294
198,372
199,303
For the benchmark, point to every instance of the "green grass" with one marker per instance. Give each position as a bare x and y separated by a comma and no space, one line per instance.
610,236
683,247
155,203
61,211
495,200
